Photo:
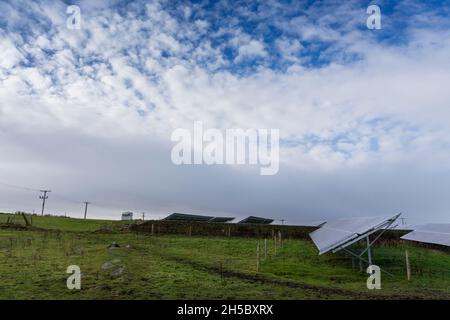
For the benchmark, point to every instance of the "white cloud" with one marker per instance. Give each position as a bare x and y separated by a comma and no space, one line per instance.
110,85
10,56
251,49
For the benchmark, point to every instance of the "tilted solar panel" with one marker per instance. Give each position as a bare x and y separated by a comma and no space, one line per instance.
187,217
221,219
343,232
430,233
256,220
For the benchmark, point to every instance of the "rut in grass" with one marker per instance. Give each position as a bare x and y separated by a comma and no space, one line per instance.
323,291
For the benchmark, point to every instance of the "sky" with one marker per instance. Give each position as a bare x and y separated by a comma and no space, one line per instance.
363,114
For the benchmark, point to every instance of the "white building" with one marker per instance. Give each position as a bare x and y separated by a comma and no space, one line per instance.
127,216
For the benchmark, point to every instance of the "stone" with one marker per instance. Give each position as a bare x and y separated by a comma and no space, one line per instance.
109,264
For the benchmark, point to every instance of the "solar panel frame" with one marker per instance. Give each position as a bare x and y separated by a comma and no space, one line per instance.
221,219
256,220
432,233
187,217
338,234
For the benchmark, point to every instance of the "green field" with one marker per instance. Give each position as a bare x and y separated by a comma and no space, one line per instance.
33,266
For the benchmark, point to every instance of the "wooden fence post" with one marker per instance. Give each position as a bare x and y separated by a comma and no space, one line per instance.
190,230
265,248
153,228
408,267
257,257
275,244
279,239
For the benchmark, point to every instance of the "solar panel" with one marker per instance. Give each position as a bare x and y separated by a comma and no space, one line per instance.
187,217
221,219
316,224
430,233
256,220
338,234
196,218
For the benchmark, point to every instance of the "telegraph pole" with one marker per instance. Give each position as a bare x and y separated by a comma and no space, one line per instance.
85,208
43,197
143,216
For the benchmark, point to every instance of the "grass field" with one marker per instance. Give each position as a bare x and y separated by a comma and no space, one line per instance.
61,223
33,266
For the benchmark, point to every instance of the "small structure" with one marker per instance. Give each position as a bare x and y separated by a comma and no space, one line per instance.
127,216
256,220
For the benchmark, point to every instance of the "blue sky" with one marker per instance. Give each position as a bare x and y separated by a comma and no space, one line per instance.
362,113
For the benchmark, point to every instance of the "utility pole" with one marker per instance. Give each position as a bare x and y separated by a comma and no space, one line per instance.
43,197
282,221
143,216
86,203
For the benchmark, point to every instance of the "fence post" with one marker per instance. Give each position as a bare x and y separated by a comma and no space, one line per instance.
153,228
265,248
408,267
257,257
275,244
279,239
190,230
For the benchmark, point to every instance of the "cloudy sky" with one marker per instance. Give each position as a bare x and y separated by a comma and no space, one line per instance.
364,115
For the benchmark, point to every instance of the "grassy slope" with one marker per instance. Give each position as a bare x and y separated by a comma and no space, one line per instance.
33,264
60,223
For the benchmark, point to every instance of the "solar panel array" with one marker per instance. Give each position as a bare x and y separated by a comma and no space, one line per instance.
196,218
256,220
430,233
343,232
221,219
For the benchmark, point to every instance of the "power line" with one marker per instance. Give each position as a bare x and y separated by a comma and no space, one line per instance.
18,187
44,197
58,196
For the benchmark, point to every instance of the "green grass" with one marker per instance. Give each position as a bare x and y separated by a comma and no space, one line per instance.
33,266
61,223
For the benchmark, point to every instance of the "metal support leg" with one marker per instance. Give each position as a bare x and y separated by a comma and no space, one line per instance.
369,251
361,260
